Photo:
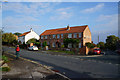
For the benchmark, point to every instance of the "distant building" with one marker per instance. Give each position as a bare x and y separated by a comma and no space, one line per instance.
55,37
27,36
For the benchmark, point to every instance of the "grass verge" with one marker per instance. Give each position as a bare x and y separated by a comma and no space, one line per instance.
68,52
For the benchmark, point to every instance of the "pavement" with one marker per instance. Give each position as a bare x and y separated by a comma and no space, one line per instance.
74,67
24,68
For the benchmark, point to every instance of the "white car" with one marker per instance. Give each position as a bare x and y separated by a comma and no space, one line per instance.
35,48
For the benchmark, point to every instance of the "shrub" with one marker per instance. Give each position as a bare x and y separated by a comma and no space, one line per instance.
5,68
44,44
5,59
89,45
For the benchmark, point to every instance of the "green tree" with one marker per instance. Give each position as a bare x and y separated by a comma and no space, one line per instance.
33,40
74,42
44,44
17,33
111,42
102,45
8,38
37,44
89,45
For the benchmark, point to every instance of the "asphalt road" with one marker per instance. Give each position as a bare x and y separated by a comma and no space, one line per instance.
72,67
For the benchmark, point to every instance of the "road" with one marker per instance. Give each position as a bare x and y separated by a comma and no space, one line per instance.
73,68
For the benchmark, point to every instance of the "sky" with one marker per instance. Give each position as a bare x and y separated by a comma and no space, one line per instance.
101,17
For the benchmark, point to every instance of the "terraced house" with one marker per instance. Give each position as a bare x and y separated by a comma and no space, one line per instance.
55,37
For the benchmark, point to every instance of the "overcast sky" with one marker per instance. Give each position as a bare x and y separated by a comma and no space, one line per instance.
101,17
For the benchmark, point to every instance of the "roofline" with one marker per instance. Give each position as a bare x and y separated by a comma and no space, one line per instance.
63,28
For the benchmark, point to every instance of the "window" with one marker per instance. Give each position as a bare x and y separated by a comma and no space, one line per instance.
69,45
48,43
70,35
46,37
75,35
42,37
53,36
58,36
61,35
79,45
80,35
53,44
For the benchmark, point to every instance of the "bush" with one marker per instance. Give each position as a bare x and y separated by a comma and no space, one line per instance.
102,45
62,46
89,45
44,44
5,59
5,68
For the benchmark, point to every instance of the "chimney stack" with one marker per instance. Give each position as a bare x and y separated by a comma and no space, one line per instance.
68,27
31,29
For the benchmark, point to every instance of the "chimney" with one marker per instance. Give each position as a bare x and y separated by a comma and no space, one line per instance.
68,27
31,29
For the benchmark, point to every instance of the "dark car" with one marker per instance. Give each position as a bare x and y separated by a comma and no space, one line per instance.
97,51
118,51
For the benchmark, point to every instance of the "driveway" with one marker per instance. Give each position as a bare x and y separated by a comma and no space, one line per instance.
72,67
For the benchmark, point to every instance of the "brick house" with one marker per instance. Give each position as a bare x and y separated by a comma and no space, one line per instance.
55,37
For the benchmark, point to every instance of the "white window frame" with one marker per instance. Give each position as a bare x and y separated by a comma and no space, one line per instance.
80,35
53,44
54,35
42,37
45,36
80,45
70,35
58,35
70,45
75,35
61,35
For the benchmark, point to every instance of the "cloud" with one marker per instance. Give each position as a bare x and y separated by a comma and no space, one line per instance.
108,22
93,9
34,9
62,14
17,20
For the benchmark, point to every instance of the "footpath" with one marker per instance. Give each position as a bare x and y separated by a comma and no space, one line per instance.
23,68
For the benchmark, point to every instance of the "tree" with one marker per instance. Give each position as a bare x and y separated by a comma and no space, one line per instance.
44,44
17,33
89,45
102,45
111,42
74,42
33,40
37,44
8,38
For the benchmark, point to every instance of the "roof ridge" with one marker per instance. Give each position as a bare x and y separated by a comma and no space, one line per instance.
66,28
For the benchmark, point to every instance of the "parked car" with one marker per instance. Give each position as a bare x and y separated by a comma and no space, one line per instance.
97,51
35,48
118,51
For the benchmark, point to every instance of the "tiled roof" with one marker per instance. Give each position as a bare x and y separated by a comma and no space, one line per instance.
74,29
24,34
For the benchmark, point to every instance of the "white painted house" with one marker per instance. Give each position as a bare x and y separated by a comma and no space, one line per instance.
27,36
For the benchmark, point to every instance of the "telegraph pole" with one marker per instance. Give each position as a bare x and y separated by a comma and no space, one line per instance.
98,37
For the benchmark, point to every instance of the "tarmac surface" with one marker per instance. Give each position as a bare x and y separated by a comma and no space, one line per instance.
74,67
26,69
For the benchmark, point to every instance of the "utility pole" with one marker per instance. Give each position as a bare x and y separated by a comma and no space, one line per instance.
98,37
